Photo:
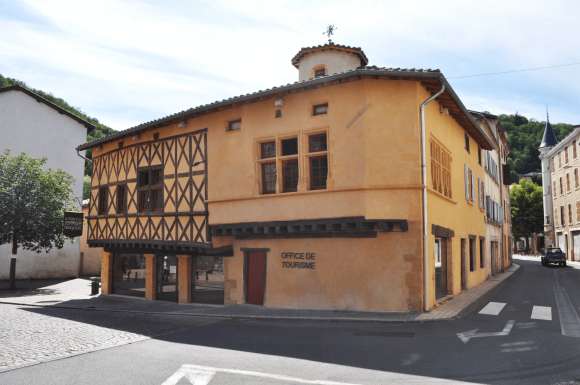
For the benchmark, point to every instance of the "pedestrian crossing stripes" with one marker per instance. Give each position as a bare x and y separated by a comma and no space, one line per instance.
538,312
542,312
493,308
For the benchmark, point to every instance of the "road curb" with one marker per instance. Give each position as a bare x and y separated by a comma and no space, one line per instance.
413,318
485,296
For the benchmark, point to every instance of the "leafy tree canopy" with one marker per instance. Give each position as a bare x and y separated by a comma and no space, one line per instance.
526,208
524,136
32,203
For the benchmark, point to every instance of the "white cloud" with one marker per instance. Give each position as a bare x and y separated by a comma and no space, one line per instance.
127,62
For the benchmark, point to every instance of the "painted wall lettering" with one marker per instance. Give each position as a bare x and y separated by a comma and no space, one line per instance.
303,260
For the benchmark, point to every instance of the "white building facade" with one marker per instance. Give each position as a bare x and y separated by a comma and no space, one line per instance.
493,195
561,185
33,125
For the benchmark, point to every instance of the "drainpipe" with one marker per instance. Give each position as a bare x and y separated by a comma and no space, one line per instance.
84,157
426,285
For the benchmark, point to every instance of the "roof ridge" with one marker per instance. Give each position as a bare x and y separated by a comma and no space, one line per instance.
397,73
40,98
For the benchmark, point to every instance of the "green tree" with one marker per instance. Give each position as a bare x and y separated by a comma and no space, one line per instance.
32,204
524,136
526,208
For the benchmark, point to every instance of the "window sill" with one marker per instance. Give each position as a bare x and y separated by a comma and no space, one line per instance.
438,194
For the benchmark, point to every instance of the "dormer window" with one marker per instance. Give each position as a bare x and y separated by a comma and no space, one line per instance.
319,71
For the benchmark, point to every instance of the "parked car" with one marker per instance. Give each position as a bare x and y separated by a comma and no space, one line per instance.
554,255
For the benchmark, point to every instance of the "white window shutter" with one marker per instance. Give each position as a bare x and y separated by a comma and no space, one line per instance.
472,187
466,180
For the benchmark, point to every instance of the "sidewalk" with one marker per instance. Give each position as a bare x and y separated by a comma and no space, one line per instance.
74,294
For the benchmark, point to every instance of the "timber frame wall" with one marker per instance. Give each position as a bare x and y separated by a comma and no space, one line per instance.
182,225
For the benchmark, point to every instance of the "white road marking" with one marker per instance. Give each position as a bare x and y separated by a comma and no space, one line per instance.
542,312
518,343
196,376
202,375
492,308
469,334
522,349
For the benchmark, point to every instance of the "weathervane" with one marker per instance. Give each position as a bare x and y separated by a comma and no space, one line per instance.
329,32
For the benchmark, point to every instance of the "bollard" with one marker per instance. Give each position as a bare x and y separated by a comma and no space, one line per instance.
95,286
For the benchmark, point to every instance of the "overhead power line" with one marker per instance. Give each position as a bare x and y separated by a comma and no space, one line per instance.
515,71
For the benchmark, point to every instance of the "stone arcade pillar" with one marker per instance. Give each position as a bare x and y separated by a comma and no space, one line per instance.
106,269
150,273
184,278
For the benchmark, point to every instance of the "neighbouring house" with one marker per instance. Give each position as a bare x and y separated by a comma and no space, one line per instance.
34,125
493,194
353,188
90,257
561,186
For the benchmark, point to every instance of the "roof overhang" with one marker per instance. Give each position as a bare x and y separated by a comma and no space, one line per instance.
432,80
50,104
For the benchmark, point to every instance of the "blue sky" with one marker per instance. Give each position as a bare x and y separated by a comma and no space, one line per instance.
126,62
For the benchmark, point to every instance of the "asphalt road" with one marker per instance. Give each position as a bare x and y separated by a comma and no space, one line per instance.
514,343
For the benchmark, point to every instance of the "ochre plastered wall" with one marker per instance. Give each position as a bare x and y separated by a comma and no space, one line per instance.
457,214
367,274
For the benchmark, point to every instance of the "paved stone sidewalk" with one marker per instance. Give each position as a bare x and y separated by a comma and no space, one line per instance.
76,298
28,338
462,301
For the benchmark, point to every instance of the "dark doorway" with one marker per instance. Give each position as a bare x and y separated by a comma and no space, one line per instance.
129,274
255,276
207,280
166,280
441,268
463,264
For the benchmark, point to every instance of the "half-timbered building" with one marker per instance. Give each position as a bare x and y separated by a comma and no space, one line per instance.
309,195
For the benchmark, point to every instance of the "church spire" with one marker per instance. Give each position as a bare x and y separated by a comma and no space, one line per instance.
549,139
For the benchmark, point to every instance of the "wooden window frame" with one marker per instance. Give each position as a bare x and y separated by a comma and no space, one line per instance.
284,159
279,160
123,203
441,177
317,154
267,160
149,188
466,137
103,200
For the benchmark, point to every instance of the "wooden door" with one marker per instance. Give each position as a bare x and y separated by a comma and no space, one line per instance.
255,269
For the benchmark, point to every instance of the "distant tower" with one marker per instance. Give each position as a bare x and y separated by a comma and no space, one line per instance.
548,142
